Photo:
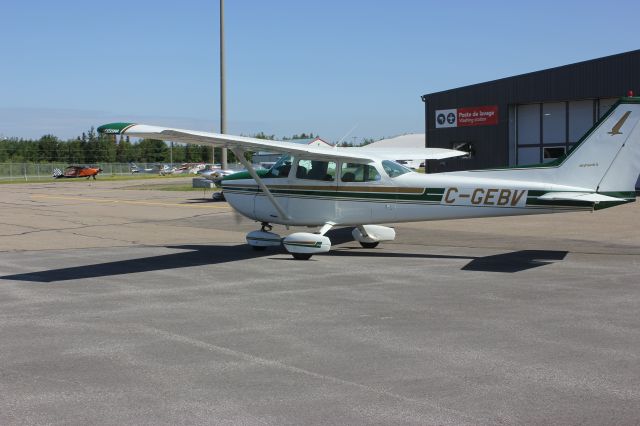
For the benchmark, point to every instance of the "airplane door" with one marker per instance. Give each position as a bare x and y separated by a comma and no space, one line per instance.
312,191
366,195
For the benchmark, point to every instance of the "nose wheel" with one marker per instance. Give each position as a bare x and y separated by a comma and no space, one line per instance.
260,240
301,256
369,245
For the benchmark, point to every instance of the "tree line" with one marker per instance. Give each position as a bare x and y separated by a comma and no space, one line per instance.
94,148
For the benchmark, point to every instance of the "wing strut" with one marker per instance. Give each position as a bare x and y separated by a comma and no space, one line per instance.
239,153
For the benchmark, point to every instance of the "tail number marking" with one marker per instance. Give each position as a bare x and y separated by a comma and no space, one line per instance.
485,197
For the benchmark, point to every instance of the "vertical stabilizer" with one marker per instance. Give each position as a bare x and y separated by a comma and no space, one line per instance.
608,157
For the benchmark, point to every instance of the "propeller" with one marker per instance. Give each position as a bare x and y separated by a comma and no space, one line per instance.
237,216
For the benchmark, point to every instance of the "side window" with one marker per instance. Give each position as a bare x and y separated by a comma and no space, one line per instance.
316,170
354,172
281,169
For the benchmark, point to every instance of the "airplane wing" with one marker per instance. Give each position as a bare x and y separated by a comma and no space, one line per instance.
252,144
591,197
406,153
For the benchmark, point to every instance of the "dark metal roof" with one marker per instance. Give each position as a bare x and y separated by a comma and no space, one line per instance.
609,76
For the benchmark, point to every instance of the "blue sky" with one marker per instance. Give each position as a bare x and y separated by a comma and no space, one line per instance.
293,66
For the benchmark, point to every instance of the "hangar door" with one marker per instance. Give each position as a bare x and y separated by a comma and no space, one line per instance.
542,132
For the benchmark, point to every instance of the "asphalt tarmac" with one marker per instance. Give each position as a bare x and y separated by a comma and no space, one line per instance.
121,306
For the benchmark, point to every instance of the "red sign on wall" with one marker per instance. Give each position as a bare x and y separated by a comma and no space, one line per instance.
478,116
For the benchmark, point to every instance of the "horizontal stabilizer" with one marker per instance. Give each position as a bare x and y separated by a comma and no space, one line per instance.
591,197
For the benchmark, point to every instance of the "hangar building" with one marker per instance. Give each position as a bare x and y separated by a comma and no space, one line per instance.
529,118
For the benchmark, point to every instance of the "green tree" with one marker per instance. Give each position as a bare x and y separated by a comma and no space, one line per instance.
263,135
205,153
92,148
179,153
47,149
107,148
73,151
152,151
123,150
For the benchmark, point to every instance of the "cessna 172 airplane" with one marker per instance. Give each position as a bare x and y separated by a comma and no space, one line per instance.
363,187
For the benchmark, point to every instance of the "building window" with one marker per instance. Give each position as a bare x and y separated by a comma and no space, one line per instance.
605,105
528,155
528,124
559,126
554,123
580,119
550,153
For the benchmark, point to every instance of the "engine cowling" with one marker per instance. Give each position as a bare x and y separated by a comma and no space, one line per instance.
304,244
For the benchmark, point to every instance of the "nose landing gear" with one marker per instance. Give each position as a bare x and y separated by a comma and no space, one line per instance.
260,240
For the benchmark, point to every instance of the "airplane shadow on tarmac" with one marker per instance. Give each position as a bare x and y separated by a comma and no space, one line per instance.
198,255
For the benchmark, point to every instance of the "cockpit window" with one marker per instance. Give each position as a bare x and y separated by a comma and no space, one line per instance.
282,167
355,172
394,169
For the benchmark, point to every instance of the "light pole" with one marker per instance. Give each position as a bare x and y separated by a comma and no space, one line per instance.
223,106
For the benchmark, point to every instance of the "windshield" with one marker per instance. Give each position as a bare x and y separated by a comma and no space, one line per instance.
281,168
394,169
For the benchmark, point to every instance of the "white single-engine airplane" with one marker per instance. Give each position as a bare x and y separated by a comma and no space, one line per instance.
364,187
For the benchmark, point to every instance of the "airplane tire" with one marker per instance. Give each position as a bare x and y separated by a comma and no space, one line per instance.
369,245
259,248
301,256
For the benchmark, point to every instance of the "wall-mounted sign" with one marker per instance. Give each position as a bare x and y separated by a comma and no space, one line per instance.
471,116
446,118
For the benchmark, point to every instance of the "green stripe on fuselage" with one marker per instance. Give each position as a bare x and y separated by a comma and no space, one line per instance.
429,194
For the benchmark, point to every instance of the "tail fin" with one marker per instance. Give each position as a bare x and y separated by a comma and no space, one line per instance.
607,159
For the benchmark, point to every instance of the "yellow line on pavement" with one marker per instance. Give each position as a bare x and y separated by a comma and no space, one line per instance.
141,203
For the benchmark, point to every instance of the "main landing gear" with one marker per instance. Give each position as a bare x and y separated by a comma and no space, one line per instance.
302,245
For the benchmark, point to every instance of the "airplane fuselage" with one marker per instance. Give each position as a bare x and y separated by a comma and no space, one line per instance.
406,198
364,187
